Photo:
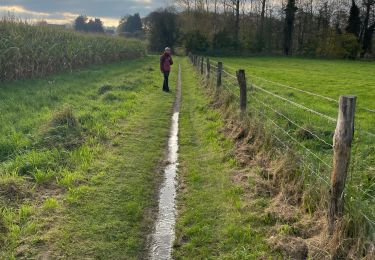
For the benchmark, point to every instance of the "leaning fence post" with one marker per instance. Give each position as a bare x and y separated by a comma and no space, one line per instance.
202,63
218,74
342,142
243,95
208,68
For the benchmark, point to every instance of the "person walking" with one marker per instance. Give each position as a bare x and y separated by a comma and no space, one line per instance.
165,67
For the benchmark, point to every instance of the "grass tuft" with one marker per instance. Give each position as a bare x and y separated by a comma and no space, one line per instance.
63,130
50,204
104,89
43,177
110,97
12,189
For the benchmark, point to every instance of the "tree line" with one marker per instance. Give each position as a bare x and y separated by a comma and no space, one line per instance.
319,28
83,24
322,28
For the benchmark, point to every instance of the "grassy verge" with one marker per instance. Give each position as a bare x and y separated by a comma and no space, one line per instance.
215,221
79,162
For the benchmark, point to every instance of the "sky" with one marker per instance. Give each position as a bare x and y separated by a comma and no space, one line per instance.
65,11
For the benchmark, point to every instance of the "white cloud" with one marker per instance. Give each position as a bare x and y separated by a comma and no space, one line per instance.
143,1
53,17
21,10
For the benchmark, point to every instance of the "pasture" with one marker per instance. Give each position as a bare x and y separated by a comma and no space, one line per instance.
328,78
297,101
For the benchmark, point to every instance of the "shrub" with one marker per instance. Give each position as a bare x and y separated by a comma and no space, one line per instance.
222,40
196,41
346,46
104,89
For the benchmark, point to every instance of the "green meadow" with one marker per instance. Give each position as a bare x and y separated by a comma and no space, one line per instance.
75,177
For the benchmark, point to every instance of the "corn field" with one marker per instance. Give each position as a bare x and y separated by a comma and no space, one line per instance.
27,51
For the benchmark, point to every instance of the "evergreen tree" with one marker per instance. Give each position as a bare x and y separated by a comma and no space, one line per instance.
354,21
290,12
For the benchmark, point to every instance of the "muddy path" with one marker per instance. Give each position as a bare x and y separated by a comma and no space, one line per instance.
164,232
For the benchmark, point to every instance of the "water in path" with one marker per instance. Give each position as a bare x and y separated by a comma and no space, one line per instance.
164,234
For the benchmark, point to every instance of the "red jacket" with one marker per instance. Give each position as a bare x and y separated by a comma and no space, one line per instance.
165,62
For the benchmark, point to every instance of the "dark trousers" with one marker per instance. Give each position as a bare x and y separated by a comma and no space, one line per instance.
165,83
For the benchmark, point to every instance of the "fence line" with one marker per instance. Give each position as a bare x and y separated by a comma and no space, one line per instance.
287,100
369,110
287,146
296,104
299,143
295,140
297,89
231,86
294,123
302,161
300,90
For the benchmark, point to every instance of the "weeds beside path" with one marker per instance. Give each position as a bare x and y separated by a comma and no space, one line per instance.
214,222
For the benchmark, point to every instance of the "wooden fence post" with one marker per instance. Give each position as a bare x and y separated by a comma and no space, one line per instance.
202,63
218,74
243,93
342,142
208,68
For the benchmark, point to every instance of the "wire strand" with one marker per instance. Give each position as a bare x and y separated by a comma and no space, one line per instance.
296,104
294,123
299,143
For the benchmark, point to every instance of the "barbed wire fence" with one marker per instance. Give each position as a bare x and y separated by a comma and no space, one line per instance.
308,132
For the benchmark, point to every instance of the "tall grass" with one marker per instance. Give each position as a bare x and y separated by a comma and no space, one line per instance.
27,51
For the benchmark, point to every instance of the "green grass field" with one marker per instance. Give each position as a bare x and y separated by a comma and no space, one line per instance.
330,78
82,153
79,161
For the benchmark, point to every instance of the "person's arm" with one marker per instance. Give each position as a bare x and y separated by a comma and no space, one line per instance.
171,61
161,64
